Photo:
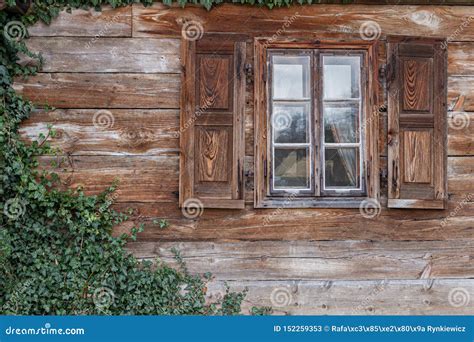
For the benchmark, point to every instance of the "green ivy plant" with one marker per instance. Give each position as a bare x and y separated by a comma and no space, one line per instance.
57,253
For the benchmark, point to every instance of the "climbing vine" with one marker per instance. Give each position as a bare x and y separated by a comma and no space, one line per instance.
57,252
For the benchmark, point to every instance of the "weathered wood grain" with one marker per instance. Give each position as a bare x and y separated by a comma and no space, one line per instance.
139,55
130,132
441,21
460,134
88,68
94,90
109,22
416,135
370,297
309,224
152,179
311,260
461,94
125,55
158,129
460,175
417,157
141,178
212,122
460,58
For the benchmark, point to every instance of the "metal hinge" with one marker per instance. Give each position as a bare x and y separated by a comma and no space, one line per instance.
249,72
382,72
383,175
265,166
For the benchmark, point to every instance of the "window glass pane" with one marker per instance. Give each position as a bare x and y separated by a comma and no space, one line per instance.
342,167
291,77
290,122
341,77
341,123
291,168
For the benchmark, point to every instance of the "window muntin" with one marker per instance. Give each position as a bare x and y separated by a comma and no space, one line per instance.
315,108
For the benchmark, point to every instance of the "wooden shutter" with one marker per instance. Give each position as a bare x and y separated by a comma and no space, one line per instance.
417,93
212,122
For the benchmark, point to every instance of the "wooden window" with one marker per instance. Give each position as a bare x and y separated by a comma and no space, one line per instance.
291,120
417,87
315,131
212,122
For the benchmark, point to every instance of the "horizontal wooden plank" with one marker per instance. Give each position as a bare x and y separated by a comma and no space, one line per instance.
371,297
415,204
461,94
147,55
460,58
460,133
108,22
90,145
460,175
111,132
430,21
144,131
101,50
90,90
250,224
311,260
141,178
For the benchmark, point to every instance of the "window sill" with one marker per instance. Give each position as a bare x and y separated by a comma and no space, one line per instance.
320,202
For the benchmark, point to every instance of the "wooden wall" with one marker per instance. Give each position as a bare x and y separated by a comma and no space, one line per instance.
302,261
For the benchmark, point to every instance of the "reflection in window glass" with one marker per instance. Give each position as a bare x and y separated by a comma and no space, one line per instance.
290,123
341,77
291,77
341,119
341,124
342,167
291,168
293,116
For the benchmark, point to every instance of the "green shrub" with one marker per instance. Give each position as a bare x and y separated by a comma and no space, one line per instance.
57,254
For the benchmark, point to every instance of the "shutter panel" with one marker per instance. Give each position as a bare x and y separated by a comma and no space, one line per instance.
212,122
417,96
